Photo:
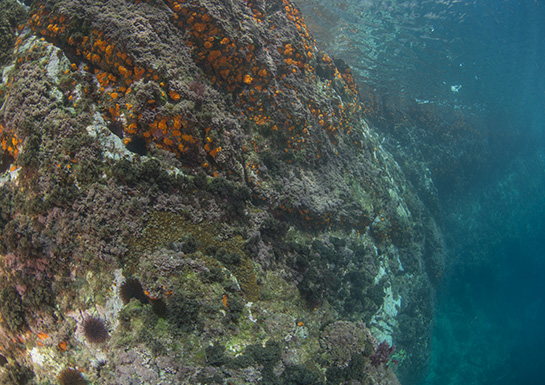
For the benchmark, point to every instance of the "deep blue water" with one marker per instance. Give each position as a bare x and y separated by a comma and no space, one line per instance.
486,60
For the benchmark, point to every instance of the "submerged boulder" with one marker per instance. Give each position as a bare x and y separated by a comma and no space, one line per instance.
210,153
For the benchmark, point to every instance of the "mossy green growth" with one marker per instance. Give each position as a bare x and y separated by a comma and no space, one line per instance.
11,308
163,228
355,371
147,175
6,203
39,294
265,356
185,313
300,375
247,332
138,323
237,195
215,355
11,14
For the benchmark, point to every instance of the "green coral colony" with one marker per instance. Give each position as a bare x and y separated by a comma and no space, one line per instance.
190,194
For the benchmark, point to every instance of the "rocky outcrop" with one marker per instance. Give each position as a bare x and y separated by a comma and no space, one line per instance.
212,153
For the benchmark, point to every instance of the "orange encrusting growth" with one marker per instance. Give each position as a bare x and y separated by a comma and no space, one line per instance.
236,67
260,88
116,73
10,144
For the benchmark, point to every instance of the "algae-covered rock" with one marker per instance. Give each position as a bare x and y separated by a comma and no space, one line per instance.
12,14
212,156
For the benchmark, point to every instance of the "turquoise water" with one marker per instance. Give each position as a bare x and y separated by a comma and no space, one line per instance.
479,65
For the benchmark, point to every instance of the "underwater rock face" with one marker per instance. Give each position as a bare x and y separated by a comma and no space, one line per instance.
209,152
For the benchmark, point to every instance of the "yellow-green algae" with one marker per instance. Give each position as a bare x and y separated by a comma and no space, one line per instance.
164,227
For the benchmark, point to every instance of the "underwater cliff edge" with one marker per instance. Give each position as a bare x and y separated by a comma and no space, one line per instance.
190,195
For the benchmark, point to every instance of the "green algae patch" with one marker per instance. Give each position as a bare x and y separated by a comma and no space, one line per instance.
11,308
165,228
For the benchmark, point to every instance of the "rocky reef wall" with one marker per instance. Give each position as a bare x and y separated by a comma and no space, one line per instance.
190,194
